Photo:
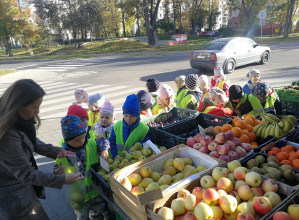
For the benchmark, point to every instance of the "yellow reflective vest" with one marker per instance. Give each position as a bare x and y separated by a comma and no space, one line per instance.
179,96
208,109
257,106
229,104
220,84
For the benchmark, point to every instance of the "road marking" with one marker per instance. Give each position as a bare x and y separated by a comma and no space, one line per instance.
55,67
50,70
24,66
78,86
63,65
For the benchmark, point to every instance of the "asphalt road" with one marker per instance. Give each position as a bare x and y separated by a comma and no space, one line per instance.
116,76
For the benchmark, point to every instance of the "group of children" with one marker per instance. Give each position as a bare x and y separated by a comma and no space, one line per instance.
89,129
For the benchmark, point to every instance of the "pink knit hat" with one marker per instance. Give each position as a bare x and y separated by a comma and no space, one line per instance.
203,80
81,95
218,71
107,108
166,91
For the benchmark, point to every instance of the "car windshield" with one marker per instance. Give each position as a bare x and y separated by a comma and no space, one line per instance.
214,45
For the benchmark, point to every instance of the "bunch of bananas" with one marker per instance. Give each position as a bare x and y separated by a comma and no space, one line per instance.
274,126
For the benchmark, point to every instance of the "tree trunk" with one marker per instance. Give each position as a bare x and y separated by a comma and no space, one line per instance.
291,15
286,27
138,27
123,19
150,24
181,28
9,47
194,17
174,26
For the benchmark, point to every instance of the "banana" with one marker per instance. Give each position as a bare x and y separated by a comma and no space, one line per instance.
277,133
293,118
290,120
272,132
281,123
269,119
264,131
267,132
260,130
255,129
287,127
273,117
263,118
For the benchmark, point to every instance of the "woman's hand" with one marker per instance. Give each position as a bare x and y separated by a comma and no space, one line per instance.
59,171
71,178
62,153
104,154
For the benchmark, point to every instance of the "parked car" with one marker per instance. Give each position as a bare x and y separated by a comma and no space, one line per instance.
229,53
217,33
211,34
203,34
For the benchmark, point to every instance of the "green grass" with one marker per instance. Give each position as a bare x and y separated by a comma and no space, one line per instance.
277,39
4,72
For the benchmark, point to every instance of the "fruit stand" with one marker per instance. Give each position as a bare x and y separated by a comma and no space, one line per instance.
193,164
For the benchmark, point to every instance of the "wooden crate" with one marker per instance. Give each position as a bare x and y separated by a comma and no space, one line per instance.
286,192
135,206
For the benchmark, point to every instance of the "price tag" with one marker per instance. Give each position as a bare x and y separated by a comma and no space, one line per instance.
150,144
104,164
201,130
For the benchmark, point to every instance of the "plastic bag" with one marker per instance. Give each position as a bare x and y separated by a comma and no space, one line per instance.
76,192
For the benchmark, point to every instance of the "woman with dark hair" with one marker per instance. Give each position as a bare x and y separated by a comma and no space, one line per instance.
21,183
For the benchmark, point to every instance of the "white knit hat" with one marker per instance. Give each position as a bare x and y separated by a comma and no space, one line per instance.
218,71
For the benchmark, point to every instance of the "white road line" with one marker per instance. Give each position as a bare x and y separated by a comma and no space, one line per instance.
90,91
46,82
62,65
64,85
53,84
50,70
78,86
24,66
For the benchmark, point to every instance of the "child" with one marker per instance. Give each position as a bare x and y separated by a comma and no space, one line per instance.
218,99
81,97
220,80
130,130
146,102
95,102
254,77
181,90
105,124
77,110
193,96
165,100
74,134
204,87
152,87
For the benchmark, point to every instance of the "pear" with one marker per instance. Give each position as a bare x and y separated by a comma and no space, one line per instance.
141,158
137,190
290,176
163,187
124,153
178,176
272,158
135,179
152,186
252,163
137,154
273,175
201,168
263,170
145,171
260,159
162,148
124,163
169,171
165,180
146,152
155,176
272,169
257,170
117,158
168,163
145,182
110,167
189,171
123,159
265,165
115,164
133,161
110,160
129,157
285,167
136,147
114,170
179,164
187,160
273,164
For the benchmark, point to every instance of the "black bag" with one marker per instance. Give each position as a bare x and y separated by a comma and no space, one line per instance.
39,190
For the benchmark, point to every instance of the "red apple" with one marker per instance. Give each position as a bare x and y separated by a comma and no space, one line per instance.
189,216
198,137
213,145
270,185
214,154
230,144
183,193
230,135
237,141
198,191
197,146
233,155
191,142
262,205
240,151
221,138
224,158
281,216
204,149
210,196
222,149
180,217
245,216
257,191
246,146
205,140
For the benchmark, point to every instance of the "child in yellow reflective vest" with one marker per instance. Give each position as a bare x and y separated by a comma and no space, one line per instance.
105,124
220,80
193,96
81,97
181,90
95,102
165,100
238,101
74,134
130,130
146,102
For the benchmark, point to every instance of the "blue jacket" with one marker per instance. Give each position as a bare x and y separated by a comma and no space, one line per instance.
127,130
246,88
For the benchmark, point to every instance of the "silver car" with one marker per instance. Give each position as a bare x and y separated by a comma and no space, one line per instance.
229,53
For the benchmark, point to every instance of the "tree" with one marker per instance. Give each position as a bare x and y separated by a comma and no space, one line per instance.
288,22
150,15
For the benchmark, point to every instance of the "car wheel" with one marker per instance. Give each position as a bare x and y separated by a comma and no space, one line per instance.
230,66
265,57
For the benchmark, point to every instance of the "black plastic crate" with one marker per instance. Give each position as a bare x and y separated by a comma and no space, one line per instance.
262,143
169,135
174,112
99,180
290,108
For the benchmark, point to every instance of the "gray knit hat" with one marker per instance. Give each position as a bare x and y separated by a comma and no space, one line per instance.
96,100
192,81
251,72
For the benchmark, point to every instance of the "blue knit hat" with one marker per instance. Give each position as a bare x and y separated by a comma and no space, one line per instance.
132,106
71,127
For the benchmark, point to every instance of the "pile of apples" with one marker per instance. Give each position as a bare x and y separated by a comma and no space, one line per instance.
227,193
174,170
291,214
225,146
